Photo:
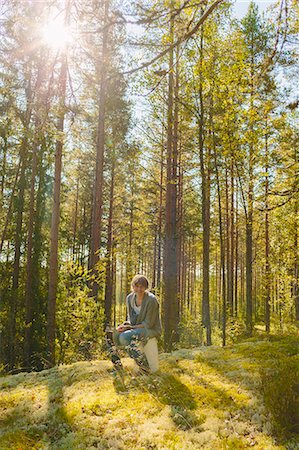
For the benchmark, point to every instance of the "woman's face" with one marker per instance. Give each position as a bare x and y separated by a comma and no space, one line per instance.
139,289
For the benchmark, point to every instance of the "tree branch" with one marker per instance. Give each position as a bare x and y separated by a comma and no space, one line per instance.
179,40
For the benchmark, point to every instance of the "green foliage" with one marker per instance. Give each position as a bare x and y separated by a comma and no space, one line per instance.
236,329
190,330
79,318
280,387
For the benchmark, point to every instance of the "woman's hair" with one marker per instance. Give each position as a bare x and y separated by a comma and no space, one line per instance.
139,279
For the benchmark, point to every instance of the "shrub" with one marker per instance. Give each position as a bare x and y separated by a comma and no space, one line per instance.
190,331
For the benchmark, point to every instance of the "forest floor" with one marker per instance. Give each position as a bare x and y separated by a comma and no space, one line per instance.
243,396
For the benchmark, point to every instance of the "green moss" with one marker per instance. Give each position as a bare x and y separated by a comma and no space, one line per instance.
16,439
280,388
171,441
171,391
234,443
184,419
196,395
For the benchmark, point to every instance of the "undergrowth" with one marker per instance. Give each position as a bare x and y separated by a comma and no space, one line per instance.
239,397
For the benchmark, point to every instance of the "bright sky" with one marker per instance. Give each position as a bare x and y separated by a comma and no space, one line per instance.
241,6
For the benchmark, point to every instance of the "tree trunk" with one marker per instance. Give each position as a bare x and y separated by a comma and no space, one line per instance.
160,217
75,253
29,273
222,252
267,243
96,223
8,215
232,235
205,191
236,303
3,170
53,262
29,295
170,250
109,259
249,252
296,241
17,256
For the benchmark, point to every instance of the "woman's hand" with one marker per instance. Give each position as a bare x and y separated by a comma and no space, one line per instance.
122,327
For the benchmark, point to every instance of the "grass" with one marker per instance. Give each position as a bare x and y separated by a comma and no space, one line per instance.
210,398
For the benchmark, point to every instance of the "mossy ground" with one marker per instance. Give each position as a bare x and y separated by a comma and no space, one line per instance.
211,398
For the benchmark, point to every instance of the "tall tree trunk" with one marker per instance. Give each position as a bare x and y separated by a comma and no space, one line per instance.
181,236
236,303
232,234
222,251
160,217
227,243
29,273
17,256
154,264
96,223
296,263
205,190
8,214
249,216
40,305
29,296
170,306
267,243
19,224
109,259
249,253
3,169
53,262
75,254
175,179
129,259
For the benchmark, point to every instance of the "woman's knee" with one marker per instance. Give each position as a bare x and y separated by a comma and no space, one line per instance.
124,339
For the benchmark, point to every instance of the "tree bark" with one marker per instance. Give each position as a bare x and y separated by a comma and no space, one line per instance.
170,306
205,191
109,253
53,261
96,223
222,251
267,242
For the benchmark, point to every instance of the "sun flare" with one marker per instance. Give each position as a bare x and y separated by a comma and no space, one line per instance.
56,35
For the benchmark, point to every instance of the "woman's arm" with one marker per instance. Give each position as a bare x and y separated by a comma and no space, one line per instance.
124,327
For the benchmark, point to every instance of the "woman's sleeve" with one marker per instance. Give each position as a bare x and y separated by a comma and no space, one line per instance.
128,309
152,314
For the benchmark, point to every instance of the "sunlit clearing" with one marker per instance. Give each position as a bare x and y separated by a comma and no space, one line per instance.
56,35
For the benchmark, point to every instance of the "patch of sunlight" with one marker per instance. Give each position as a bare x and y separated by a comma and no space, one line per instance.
205,439
154,428
216,372
10,399
23,404
86,393
83,371
21,379
268,349
172,441
145,403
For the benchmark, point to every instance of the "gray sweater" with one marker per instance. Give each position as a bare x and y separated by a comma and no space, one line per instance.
148,316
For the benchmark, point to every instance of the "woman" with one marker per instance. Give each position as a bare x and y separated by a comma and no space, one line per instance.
143,322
